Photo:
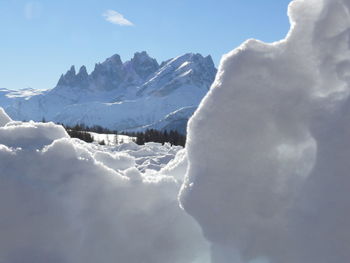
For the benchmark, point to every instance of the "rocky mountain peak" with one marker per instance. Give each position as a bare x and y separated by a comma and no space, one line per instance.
68,78
109,74
113,61
132,95
187,70
144,65
140,71
82,77
83,71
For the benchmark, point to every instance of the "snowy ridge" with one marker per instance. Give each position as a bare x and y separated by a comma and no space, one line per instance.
117,95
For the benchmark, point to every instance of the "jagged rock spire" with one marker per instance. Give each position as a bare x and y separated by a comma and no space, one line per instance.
144,65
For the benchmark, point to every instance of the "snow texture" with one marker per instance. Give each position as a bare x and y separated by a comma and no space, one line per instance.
275,186
63,200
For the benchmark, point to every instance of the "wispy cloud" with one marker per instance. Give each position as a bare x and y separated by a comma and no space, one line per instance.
116,18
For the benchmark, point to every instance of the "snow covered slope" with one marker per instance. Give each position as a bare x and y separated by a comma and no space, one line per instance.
176,120
8,97
117,95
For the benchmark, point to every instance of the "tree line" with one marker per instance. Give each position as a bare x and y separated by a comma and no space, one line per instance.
173,137
79,132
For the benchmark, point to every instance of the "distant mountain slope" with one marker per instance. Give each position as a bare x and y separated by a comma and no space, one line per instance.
123,96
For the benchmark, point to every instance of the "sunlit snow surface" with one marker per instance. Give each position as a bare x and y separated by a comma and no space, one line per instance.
275,184
63,200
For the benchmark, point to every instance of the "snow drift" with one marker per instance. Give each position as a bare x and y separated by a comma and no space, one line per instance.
275,187
62,200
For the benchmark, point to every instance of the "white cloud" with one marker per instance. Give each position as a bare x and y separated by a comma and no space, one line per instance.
116,18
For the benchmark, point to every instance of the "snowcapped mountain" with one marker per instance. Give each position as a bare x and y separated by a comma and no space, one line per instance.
132,95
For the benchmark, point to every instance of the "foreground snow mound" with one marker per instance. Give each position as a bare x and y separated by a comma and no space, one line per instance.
30,135
275,186
62,200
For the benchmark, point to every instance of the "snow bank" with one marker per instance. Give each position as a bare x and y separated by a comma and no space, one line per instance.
177,166
30,134
275,187
116,161
62,200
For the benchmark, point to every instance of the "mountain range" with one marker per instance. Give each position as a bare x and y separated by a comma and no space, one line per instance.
134,95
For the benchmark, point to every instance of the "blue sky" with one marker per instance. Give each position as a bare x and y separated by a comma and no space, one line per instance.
42,39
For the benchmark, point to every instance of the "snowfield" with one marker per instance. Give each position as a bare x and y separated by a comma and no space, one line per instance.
272,187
